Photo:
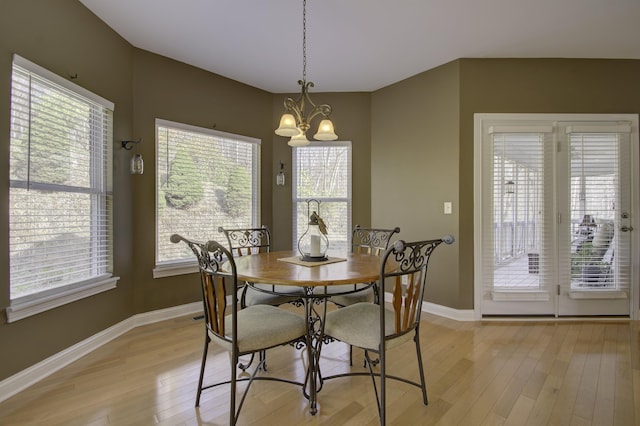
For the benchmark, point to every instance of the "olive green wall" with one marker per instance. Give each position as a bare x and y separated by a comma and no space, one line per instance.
351,117
64,37
412,150
414,168
532,86
423,128
171,90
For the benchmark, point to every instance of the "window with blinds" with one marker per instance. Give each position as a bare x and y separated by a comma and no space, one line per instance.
599,199
204,179
519,220
322,171
60,227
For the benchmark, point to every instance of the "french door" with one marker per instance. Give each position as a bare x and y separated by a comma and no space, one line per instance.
554,211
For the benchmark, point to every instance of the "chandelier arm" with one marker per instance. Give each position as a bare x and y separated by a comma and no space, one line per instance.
324,110
291,105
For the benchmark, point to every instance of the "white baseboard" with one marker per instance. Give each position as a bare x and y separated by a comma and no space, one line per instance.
31,375
442,311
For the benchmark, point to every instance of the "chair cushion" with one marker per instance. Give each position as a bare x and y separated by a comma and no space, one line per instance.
286,293
365,295
359,325
262,327
603,235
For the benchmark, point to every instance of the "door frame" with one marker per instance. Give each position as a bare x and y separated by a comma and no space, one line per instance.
479,119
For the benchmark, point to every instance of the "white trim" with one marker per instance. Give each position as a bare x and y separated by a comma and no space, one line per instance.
31,375
55,78
440,310
520,129
197,129
519,295
27,306
599,128
174,269
478,271
597,294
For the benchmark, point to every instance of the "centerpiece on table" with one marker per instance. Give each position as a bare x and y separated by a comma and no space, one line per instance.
313,244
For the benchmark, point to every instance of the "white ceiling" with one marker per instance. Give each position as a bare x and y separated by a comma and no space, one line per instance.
363,45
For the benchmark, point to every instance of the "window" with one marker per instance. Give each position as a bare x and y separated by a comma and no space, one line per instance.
204,179
322,171
60,191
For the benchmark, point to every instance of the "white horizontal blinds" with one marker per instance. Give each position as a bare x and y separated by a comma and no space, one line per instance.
205,179
60,199
322,171
599,200
517,224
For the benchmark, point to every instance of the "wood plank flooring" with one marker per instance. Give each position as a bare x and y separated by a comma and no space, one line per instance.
478,373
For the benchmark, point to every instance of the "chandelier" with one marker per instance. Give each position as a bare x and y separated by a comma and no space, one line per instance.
294,123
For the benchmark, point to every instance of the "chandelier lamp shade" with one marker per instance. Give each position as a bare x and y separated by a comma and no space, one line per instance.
296,120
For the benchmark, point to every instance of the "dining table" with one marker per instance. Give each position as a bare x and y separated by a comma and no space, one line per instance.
314,283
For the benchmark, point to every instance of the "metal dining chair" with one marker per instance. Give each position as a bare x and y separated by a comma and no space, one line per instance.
242,331
375,328
372,241
247,241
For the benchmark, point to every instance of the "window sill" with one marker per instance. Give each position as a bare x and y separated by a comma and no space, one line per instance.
161,271
31,305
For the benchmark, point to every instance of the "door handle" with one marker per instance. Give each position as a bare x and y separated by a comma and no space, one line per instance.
626,228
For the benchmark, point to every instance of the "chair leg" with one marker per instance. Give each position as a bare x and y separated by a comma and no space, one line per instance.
244,367
383,385
263,360
368,363
420,368
207,340
350,355
233,418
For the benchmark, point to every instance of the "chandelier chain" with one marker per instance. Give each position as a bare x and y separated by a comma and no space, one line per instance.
304,40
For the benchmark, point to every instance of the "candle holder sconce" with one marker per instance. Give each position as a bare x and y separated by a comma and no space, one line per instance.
313,244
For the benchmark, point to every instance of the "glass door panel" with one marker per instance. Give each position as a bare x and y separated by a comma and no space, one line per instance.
595,272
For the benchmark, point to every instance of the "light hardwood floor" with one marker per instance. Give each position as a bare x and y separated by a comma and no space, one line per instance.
491,373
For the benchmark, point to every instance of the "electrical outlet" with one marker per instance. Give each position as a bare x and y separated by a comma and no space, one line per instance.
405,280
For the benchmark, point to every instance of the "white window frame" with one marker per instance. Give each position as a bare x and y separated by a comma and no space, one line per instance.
299,199
189,265
31,304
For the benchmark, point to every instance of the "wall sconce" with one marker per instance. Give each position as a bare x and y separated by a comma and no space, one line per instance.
137,163
280,175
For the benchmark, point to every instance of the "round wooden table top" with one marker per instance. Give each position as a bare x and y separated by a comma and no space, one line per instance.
266,268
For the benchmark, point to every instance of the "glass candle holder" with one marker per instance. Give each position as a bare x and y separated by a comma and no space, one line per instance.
313,244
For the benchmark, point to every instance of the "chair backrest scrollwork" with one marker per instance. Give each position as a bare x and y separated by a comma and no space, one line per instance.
408,275
216,281
371,240
245,241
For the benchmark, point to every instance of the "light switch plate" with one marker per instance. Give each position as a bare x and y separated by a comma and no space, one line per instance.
447,207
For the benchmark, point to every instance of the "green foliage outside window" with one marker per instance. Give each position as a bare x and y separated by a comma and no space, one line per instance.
184,186
238,192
